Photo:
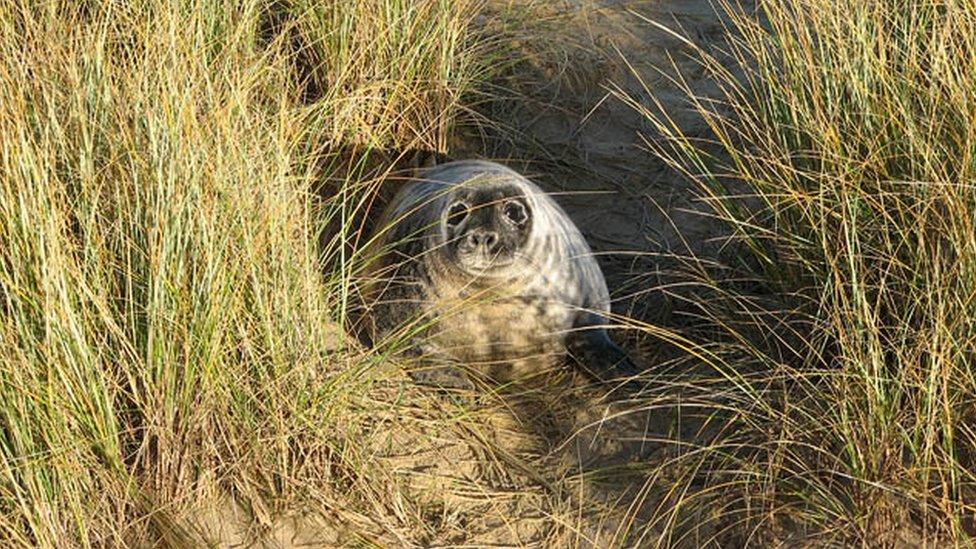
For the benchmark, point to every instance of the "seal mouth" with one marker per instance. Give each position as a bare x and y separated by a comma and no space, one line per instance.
482,249
482,262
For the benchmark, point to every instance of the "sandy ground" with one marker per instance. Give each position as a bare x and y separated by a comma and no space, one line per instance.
559,467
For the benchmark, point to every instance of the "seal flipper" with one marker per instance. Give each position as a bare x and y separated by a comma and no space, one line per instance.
442,377
601,358
430,369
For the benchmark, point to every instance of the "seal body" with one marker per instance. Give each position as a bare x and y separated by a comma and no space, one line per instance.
479,266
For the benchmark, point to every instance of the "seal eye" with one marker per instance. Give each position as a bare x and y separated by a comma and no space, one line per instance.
457,213
515,212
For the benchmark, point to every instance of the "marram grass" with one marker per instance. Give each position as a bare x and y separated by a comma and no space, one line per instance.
169,332
842,155
166,327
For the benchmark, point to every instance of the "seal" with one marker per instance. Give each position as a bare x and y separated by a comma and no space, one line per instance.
474,264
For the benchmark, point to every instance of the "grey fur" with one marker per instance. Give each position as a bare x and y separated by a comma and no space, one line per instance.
493,270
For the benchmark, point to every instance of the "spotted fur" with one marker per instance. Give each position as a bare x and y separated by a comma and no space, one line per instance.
548,297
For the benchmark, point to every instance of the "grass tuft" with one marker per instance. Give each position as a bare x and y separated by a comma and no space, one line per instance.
842,157
167,330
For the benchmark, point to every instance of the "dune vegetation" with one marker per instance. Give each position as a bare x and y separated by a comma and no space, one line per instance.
183,185
166,326
842,154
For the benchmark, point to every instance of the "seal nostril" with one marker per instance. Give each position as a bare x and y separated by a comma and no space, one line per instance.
490,239
479,238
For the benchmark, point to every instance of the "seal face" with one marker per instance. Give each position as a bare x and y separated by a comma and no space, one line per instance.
488,268
484,228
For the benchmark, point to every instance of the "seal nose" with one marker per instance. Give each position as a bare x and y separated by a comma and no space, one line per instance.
479,238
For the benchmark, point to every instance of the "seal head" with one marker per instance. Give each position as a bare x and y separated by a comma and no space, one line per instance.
484,228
